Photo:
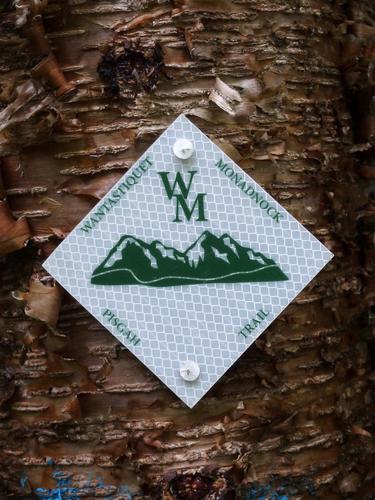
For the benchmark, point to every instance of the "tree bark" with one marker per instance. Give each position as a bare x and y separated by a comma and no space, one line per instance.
80,415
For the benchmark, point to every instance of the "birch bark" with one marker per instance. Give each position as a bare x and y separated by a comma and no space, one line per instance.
286,89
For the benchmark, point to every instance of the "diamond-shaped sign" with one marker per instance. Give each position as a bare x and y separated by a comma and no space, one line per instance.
187,260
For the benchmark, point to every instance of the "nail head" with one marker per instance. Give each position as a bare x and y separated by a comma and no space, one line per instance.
183,149
189,371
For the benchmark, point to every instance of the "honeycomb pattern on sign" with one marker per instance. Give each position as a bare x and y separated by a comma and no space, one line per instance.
191,322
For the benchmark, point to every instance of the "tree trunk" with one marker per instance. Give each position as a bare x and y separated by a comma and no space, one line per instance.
80,415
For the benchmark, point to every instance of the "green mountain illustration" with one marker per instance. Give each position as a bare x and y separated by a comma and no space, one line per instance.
209,260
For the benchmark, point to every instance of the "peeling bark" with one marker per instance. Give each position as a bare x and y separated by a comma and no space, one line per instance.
287,90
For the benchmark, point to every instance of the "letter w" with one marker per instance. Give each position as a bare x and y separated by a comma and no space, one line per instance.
171,191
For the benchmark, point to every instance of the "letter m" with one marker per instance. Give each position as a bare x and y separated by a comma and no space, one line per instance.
181,202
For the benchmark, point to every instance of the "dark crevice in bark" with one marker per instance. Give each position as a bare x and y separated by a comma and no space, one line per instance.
127,66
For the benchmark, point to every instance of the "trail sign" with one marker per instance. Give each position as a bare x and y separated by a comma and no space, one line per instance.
187,260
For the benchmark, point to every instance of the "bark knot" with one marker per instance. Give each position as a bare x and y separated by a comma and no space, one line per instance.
128,69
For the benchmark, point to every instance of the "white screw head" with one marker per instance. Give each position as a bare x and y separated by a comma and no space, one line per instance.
183,149
189,371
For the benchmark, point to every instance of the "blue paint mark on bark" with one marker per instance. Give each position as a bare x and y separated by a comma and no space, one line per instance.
276,490
24,480
267,492
65,489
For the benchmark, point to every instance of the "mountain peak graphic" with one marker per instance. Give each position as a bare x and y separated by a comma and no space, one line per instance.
210,259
